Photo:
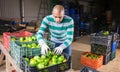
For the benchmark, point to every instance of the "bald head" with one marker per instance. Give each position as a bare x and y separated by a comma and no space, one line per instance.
58,9
58,13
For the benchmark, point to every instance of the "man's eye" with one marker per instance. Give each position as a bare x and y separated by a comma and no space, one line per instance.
55,16
59,17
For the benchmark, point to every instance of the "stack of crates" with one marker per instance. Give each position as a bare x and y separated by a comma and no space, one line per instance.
105,45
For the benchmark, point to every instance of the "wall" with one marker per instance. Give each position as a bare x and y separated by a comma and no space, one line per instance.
85,4
32,9
11,9
114,4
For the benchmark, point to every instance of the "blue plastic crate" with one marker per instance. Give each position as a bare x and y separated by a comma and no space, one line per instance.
87,26
72,11
114,46
75,17
82,24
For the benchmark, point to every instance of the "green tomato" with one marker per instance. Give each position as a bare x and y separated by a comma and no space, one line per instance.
40,60
61,58
43,56
24,45
34,44
64,60
36,57
38,46
33,62
107,32
34,38
33,47
13,39
29,39
49,54
29,46
40,66
21,39
27,60
54,59
46,60
54,63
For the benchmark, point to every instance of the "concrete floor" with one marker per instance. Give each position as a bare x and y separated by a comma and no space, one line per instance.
83,45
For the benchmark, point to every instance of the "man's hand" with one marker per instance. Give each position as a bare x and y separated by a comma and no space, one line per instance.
58,50
44,49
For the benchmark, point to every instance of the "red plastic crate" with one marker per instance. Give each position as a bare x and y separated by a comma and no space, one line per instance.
92,63
6,37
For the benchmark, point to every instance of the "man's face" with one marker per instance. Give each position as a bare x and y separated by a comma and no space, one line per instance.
58,16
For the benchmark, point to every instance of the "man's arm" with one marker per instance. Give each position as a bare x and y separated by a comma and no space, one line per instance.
41,31
70,33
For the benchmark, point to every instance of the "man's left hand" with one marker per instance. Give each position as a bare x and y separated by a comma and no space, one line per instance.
58,50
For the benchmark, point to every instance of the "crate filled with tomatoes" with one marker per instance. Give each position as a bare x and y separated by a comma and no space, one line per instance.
7,36
91,60
100,49
25,46
47,63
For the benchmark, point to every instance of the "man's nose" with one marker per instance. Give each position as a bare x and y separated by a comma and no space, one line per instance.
58,20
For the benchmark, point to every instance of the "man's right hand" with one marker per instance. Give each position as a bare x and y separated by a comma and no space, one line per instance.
44,49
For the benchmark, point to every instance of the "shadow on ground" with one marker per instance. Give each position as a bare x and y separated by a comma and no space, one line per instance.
76,65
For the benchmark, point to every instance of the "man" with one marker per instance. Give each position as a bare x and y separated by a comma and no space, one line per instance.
61,29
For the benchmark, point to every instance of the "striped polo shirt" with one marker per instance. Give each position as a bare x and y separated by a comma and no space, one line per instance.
59,32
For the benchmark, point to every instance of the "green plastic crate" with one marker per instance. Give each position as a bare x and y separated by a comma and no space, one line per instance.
112,55
23,51
17,51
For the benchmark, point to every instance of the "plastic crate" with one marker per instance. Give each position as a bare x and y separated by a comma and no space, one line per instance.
100,49
6,37
112,55
62,67
106,58
87,69
49,43
113,46
115,36
101,39
16,48
92,63
17,52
